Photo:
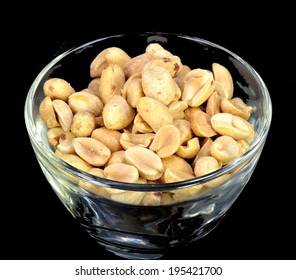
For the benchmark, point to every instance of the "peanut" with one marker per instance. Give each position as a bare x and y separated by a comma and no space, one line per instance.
146,161
91,150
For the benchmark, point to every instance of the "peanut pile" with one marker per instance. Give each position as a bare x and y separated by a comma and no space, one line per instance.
147,119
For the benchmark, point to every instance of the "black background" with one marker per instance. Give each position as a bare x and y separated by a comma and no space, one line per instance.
260,224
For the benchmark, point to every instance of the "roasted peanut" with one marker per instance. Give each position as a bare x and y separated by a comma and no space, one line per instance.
146,161
83,124
172,176
189,150
64,113
111,55
47,113
85,101
140,125
94,86
74,160
158,84
108,137
185,130
225,149
53,135
91,150
57,88
154,112
177,109
233,126
117,113
65,145
133,90
205,149
198,89
236,106
183,194
128,140
223,81
213,104
175,162
116,157
171,63
201,125
135,65
166,141
111,82
121,172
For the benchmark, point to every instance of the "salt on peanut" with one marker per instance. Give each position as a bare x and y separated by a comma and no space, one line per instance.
91,150
146,161
57,88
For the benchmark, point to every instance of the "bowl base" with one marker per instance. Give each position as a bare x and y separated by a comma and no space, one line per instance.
132,253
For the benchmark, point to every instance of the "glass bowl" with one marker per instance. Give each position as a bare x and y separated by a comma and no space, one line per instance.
135,231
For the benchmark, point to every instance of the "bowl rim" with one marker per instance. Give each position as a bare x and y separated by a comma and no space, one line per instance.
49,155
